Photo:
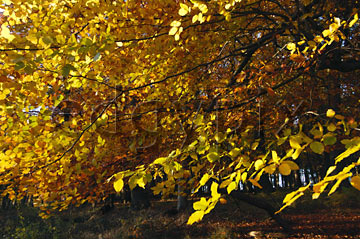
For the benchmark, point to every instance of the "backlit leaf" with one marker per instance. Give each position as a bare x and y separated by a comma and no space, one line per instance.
232,186
284,169
118,184
355,182
330,113
201,205
195,217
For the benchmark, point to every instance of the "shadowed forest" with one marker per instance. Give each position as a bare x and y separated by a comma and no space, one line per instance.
179,119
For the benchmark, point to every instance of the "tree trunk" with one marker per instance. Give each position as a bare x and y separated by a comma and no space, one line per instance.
262,204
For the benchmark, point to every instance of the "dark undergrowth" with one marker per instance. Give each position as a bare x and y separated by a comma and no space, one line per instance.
328,217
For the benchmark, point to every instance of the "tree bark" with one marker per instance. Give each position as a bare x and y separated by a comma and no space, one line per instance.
262,204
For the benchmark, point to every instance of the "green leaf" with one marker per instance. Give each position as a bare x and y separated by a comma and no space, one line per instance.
19,65
331,127
66,70
329,140
213,156
317,147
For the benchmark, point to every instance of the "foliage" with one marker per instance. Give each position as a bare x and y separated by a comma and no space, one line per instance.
176,92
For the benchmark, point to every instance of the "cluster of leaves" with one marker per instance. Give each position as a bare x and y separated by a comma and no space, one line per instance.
173,93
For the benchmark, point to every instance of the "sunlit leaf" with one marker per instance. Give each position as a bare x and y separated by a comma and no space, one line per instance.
201,205
330,113
232,186
355,182
195,217
118,184
284,169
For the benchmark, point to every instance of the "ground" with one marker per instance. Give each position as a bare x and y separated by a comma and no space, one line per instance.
336,217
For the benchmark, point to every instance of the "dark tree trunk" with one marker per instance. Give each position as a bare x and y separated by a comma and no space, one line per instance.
262,204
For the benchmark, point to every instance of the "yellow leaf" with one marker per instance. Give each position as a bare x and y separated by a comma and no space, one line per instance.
275,157
289,196
291,46
318,39
326,33
195,18
259,164
204,179
234,152
232,186
292,165
255,183
319,187
285,169
270,169
201,205
182,12
290,201
339,180
177,36
297,152
223,201
185,7
294,142
175,24
195,217
203,8
160,160
118,184
214,191
356,18
244,176
5,33
329,139
330,113
173,31
330,170
355,182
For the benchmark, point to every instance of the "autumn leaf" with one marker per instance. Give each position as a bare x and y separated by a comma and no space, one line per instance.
355,182
118,184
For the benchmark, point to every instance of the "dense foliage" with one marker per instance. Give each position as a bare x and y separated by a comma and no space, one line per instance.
98,94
